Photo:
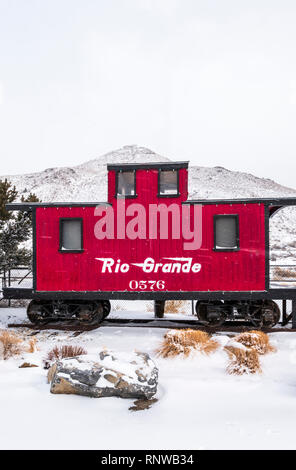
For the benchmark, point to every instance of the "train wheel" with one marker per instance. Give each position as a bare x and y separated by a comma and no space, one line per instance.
91,313
210,313
37,312
201,309
275,312
106,307
265,314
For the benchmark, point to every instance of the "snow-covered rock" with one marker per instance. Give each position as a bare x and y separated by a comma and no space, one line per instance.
107,374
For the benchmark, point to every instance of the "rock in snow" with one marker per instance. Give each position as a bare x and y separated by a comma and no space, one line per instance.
107,374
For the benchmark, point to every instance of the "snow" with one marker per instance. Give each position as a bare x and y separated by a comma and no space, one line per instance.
199,406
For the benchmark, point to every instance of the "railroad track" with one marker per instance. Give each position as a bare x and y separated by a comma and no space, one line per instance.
230,326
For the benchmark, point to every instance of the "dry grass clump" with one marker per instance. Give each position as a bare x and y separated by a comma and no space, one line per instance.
183,342
60,352
256,340
242,360
26,365
32,345
10,344
143,404
283,273
171,306
174,306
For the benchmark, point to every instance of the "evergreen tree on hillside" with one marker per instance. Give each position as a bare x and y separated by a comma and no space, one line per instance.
15,229
7,194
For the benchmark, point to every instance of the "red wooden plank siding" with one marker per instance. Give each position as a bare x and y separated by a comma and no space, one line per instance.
243,270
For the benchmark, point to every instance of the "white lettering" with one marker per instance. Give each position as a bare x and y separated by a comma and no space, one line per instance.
177,265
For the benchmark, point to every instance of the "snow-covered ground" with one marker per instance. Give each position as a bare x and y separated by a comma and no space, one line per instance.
199,406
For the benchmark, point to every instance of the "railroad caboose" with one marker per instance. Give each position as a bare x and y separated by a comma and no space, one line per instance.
148,241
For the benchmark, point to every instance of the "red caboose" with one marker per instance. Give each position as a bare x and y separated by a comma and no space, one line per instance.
150,242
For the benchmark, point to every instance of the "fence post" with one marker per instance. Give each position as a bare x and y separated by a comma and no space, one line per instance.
9,282
284,309
294,314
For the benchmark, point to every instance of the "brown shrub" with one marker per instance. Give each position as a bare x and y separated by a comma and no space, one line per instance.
242,360
183,342
60,352
171,306
11,344
283,273
32,345
256,340
174,306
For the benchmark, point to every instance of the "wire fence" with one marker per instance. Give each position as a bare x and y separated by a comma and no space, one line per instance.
22,277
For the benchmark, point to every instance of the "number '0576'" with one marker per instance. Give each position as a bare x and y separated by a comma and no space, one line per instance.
147,285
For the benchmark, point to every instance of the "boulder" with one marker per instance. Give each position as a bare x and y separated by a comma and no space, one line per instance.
132,375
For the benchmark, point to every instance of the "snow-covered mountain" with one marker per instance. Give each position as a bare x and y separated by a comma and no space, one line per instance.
88,182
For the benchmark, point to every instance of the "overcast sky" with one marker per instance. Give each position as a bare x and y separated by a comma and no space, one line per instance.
209,81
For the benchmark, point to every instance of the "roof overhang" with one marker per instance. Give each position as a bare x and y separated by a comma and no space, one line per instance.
147,166
272,202
30,206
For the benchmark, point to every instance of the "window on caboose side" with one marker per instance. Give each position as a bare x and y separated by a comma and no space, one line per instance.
226,232
126,183
168,183
71,235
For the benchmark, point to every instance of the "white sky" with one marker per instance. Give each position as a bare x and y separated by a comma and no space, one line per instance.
209,81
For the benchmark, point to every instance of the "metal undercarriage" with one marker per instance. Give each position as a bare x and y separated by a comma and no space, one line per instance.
259,313
84,312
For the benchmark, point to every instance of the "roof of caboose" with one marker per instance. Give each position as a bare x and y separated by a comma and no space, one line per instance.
147,166
277,202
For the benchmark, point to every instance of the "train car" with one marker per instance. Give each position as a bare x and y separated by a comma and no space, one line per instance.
149,242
